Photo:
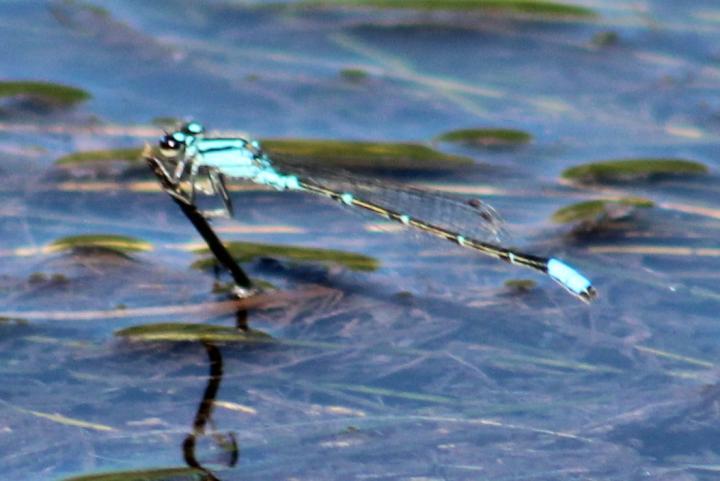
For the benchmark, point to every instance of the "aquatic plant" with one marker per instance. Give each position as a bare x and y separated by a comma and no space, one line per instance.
632,169
117,243
363,155
593,211
48,92
486,137
525,7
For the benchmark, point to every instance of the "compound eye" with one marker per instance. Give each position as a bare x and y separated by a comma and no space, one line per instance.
170,146
193,128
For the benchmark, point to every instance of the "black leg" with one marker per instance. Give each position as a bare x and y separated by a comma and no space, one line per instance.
200,223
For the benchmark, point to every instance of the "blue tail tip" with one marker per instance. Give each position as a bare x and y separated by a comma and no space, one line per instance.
570,279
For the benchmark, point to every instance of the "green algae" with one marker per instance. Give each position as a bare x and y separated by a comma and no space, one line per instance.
116,243
180,332
51,93
247,251
633,169
486,137
363,155
594,210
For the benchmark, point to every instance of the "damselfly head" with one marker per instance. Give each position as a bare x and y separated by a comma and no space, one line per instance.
172,144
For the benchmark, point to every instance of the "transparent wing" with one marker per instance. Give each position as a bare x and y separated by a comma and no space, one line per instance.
472,218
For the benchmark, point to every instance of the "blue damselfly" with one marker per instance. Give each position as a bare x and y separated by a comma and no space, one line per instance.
190,157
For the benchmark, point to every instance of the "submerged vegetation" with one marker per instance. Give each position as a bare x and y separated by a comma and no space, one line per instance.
525,7
47,92
117,243
247,251
363,155
633,169
486,137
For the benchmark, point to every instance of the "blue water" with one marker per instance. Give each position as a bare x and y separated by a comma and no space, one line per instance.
428,368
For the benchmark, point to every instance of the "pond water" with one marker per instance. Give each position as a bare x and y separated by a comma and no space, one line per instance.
414,359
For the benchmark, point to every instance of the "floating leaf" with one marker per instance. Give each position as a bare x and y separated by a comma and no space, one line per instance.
354,75
247,251
363,155
629,169
179,332
117,243
525,7
594,211
52,93
161,474
131,155
486,137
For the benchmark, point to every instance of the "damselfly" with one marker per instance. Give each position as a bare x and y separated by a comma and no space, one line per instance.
193,158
